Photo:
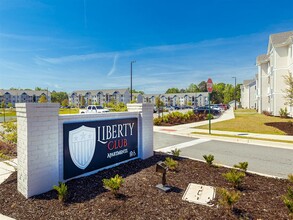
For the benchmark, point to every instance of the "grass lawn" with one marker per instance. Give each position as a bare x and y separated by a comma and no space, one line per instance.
250,121
8,112
63,111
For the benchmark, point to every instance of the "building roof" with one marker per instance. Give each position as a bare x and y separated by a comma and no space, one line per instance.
109,91
28,92
280,38
248,82
262,59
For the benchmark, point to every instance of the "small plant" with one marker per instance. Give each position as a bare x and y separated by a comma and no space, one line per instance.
242,166
209,159
284,113
62,191
113,184
290,177
235,177
172,164
176,152
228,198
209,116
288,201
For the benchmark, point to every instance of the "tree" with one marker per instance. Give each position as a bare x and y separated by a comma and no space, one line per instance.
64,103
203,86
289,90
39,89
9,105
137,91
192,88
228,93
172,90
58,97
42,99
217,96
2,104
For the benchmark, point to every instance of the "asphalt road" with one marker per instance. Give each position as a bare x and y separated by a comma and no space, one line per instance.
261,159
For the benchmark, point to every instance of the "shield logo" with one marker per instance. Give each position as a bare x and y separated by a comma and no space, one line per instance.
82,143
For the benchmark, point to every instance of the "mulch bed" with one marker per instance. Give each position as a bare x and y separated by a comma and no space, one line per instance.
140,199
286,127
8,150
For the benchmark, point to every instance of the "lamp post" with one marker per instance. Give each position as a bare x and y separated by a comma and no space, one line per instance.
131,79
235,91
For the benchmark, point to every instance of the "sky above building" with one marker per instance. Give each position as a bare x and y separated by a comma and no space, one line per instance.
67,45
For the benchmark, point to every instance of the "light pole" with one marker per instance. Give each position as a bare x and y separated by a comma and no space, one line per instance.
235,91
131,79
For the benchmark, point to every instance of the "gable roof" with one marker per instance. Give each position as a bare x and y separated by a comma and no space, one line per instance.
28,92
280,38
262,59
105,91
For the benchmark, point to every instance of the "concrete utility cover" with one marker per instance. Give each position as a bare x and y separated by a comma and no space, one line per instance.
199,194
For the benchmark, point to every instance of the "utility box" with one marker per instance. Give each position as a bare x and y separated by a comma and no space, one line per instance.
199,194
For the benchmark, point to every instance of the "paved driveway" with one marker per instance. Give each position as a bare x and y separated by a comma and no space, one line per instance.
262,159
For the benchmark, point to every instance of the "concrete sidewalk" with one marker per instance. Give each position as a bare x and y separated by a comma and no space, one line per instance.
7,168
242,137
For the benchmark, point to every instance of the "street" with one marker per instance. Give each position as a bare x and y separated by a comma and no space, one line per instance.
262,159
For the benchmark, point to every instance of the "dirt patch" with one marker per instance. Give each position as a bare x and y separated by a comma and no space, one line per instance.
139,199
286,127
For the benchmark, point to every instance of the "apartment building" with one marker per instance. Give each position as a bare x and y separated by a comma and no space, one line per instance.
272,67
179,99
248,94
88,97
21,96
100,97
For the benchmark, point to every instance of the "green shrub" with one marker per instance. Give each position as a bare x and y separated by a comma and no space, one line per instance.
209,116
290,177
228,198
9,133
284,113
179,118
62,191
242,166
209,159
119,107
113,184
235,177
171,164
158,121
176,152
288,201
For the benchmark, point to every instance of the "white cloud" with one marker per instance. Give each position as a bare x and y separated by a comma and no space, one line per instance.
114,66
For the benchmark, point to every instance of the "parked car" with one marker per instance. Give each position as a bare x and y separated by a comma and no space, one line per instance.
205,110
92,109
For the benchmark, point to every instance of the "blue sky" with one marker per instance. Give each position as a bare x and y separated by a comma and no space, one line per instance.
68,45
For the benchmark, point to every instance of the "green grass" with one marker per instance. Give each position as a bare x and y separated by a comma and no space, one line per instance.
8,112
243,137
63,111
248,121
